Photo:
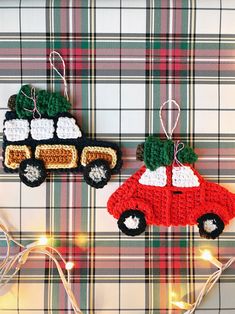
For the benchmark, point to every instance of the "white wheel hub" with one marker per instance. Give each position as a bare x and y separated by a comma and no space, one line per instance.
97,173
32,173
209,225
132,222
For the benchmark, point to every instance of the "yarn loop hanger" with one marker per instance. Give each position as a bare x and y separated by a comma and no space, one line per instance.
52,56
36,113
178,146
169,135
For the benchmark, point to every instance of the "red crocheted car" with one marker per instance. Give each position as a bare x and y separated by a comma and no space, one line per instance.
171,196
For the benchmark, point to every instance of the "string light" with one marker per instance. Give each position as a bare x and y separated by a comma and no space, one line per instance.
182,305
211,281
81,240
173,295
69,265
43,241
207,256
11,265
41,246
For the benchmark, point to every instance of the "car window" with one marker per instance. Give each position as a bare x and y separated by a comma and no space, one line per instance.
42,129
184,177
16,129
157,177
67,128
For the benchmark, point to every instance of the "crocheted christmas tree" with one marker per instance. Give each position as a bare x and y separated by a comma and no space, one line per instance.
156,152
48,103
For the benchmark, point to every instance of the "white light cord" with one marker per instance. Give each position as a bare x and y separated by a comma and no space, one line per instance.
211,281
209,284
15,263
169,135
52,56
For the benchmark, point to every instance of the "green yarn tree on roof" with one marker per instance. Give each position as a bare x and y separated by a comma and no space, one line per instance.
48,103
156,152
159,152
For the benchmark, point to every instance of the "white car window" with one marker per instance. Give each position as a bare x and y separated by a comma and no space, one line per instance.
67,128
157,177
184,177
42,129
16,130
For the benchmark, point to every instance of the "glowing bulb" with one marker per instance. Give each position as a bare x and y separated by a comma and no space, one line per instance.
173,295
43,241
182,305
207,256
69,265
81,240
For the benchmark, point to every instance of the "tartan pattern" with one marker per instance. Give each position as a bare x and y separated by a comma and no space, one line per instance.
117,55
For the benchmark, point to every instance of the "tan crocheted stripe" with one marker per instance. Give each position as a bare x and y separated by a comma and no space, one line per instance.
57,156
92,153
14,154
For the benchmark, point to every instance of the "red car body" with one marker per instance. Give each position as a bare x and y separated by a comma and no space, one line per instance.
171,205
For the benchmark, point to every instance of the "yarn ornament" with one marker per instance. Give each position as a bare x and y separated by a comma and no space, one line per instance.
168,191
48,103
41,136
159,152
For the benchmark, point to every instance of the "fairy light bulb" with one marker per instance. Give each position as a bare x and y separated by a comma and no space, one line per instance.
69,265
207,256
182,305
43,241
173,295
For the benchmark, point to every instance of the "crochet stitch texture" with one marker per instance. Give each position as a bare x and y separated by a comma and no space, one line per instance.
162,206
41,136
168,191
159,152
49,103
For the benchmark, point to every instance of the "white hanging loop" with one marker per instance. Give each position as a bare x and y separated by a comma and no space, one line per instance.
169,135
52,56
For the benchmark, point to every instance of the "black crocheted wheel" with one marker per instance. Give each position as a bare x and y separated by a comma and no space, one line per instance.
97,173
32,172
210,226
132,222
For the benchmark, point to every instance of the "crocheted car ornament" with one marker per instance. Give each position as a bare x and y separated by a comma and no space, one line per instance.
40,136
168,191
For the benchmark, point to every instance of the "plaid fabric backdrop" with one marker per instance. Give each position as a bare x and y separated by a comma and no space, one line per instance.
121,57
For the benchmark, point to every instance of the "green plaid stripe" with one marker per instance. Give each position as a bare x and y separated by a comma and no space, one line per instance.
117,55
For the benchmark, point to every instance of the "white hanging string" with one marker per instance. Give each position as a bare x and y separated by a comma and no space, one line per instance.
52,57
169,135
11,265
